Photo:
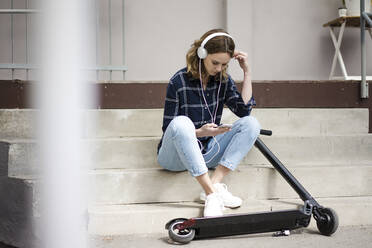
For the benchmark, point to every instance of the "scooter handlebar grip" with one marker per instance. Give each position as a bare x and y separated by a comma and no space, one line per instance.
266,132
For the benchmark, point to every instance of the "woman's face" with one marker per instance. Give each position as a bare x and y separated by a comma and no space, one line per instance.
216,62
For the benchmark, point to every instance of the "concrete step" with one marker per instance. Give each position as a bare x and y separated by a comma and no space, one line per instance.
19,208
151,218
148,122
140,152
128,187
106,123
249,182
312,121
17,123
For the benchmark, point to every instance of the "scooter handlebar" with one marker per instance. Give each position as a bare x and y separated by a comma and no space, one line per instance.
266,132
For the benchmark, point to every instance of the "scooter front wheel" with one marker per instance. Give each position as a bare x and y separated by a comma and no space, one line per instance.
183,236
329,223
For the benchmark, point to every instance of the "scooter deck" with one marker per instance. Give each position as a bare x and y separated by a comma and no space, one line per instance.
237,224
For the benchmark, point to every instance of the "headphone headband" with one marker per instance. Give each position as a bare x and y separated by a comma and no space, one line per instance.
211,36
202,52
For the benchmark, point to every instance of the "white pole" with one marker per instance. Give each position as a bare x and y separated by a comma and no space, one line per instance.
61,97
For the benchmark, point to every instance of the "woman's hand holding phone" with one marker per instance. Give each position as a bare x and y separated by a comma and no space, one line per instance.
211,129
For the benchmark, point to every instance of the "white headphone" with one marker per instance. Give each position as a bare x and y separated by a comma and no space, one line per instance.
202,52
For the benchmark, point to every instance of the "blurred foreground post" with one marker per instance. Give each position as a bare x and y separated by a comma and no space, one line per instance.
61,97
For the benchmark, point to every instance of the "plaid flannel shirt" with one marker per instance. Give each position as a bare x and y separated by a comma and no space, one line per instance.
184,97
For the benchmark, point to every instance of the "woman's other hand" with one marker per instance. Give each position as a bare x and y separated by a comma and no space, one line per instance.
242,58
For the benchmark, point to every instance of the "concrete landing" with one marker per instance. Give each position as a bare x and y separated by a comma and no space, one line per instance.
345,237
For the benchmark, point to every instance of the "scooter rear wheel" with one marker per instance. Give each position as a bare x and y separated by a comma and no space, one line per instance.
181,236
329,223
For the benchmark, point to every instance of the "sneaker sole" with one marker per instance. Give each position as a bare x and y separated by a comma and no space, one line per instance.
202,201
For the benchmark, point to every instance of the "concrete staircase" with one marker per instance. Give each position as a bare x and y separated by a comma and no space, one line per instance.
328,150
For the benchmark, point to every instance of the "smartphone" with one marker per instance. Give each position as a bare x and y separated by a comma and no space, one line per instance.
225,126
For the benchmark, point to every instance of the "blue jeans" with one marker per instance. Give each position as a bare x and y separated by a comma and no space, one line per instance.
180,150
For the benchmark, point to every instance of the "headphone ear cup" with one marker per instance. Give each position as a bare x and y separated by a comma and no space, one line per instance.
202,52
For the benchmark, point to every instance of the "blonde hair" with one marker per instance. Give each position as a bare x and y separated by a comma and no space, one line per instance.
218,44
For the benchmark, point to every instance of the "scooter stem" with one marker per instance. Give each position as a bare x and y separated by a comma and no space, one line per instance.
291,180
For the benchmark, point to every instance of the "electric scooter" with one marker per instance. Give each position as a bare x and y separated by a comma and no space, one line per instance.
183,230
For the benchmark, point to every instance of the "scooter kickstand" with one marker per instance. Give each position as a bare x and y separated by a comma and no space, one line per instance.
282,233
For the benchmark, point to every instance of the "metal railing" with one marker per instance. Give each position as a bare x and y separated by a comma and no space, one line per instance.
100,67
12,65
364,17
110,67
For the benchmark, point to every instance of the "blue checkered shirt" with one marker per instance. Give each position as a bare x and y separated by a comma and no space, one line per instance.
184,97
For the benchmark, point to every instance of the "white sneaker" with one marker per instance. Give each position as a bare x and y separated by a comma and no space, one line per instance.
229,200
213,205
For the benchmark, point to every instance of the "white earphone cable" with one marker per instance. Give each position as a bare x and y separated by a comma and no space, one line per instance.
215,113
